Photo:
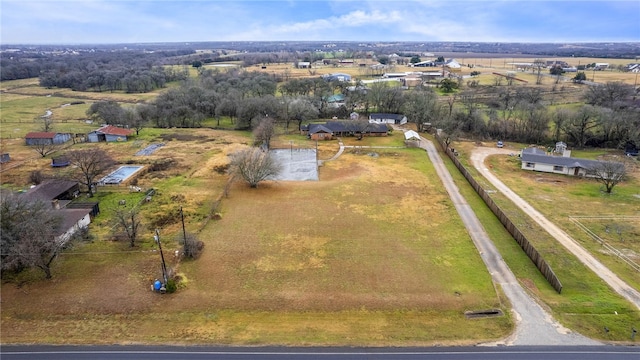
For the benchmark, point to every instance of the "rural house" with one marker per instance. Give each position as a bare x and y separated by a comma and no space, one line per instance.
109,133
535,159
381,118
333,129
46,138
60,194
335,101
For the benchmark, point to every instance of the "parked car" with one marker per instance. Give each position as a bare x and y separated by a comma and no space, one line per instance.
500,144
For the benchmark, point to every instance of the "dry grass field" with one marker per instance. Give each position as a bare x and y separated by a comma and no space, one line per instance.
372,254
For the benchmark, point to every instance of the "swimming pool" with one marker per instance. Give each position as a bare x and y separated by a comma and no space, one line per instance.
121,174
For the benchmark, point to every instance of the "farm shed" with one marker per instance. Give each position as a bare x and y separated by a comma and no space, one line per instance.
53,189
381,118
72,221
303,65
46,138
337,77
535,159
109,133
411,135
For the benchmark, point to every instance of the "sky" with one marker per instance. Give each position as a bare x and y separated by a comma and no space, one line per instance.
148,21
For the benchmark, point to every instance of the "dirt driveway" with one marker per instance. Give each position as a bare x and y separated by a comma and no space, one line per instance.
478,156
534,325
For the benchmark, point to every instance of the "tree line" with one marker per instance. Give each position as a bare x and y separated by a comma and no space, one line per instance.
607,116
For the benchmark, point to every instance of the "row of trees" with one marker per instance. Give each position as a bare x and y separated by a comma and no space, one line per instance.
517,113
130,80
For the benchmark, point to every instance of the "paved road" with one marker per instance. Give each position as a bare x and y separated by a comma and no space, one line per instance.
617,284
282,353
534,326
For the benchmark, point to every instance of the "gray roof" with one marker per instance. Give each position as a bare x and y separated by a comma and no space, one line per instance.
316,128
348,126
386,116
50,189
536,155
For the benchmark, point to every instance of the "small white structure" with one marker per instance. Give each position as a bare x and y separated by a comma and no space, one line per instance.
601,66
411,135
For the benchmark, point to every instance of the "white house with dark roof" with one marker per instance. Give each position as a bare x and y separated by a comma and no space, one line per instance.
535,159
382,118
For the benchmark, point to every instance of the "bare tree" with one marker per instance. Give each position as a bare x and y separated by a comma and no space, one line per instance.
91,163
254,165
129,222
608,173
192,246
28,237
109,112
264,131
47,124
581,125
44,148
539,64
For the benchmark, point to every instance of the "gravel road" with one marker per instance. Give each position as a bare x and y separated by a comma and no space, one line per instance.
477,158
534,325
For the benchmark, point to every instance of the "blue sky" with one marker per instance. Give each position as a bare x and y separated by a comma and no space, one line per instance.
142,21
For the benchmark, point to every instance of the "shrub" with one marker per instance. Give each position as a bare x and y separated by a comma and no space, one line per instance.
171,286
193,247
36,177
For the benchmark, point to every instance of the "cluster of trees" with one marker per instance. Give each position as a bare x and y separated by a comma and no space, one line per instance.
517,113
28,234
119,78
56,62
608,118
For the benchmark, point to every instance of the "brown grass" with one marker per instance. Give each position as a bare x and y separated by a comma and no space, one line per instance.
372,254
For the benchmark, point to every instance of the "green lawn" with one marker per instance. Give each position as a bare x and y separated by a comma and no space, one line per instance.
586,304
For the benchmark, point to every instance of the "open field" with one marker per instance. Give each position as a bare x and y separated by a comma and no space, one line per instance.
486,66
371,254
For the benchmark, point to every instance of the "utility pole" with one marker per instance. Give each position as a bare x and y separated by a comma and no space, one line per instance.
184,232
156,237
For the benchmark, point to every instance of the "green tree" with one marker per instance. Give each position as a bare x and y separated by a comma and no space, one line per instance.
415,59
448,85
580,77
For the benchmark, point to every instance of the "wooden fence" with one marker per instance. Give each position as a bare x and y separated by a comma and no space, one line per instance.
524,243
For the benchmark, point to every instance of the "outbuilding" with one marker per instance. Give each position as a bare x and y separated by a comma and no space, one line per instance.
383,118
109,133
46,138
